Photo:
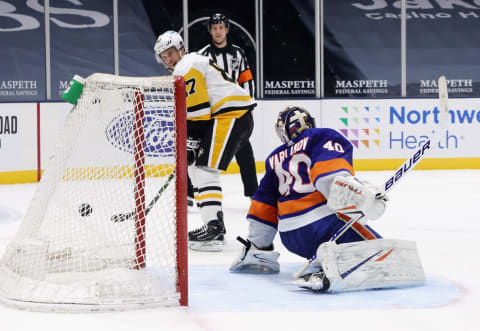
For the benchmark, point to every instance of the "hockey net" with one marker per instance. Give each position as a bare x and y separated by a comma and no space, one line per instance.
106,228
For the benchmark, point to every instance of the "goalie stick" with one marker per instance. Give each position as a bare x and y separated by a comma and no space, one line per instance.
389,184
443,99
123,217
411,162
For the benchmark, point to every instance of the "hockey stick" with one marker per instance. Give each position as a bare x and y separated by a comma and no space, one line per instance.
411,162
389,184
123,217
443,99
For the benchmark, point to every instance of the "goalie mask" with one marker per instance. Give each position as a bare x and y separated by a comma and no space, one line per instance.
292,121
166,41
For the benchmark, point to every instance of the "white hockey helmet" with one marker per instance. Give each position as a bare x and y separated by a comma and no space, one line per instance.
165,41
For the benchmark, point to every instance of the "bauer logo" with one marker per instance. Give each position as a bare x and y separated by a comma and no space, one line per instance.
408,165
158,130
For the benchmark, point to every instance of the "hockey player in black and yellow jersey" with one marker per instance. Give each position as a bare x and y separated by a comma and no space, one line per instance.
233,60
216,127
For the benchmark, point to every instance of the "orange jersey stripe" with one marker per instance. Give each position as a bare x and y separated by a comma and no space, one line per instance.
293,206
263,211
325,167
245,77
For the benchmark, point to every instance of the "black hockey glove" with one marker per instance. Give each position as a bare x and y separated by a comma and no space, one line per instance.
193,146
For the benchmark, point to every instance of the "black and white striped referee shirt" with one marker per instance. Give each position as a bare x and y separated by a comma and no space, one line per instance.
233,60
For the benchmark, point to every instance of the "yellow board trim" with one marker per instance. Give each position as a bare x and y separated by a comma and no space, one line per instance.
91,173
18,177
389,164
120,172
30,176
425,164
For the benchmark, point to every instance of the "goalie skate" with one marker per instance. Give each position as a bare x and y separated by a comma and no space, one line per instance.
316,282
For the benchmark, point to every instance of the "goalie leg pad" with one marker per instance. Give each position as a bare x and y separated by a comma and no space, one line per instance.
370,264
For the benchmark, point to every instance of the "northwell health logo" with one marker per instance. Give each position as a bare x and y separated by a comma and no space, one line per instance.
361,125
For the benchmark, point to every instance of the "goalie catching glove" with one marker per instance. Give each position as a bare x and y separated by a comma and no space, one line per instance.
350,194
256,260
193,145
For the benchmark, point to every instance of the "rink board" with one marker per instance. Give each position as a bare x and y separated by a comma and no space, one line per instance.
384,132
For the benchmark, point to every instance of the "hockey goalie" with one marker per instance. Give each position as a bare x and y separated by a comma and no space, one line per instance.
310,196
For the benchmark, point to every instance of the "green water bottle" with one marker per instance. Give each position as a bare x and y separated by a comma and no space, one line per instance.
74,90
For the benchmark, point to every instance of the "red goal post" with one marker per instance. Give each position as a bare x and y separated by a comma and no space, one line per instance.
181,188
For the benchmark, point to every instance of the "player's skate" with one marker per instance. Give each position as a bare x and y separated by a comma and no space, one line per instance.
209,237
316,282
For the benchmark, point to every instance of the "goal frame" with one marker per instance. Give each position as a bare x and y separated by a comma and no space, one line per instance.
91,280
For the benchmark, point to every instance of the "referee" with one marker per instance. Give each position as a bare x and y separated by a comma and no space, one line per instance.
233,60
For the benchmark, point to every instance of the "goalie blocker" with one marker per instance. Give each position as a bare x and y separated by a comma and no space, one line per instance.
349,194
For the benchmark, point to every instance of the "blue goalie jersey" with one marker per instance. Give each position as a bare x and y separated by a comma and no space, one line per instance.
292,196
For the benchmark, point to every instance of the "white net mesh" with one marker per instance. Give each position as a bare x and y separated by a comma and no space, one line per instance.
100,232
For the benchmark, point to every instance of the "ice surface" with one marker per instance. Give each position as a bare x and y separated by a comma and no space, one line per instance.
434,208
